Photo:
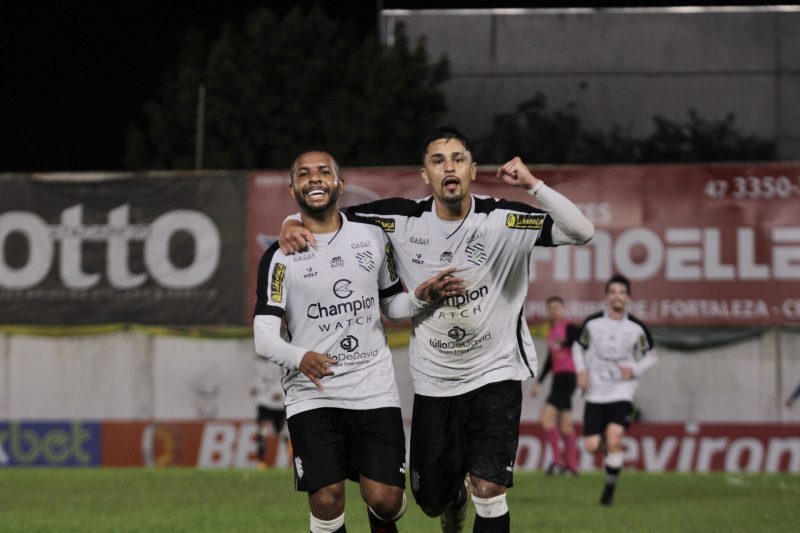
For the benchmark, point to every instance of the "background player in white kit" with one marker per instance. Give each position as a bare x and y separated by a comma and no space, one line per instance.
341,396
469,355
270,414
612,350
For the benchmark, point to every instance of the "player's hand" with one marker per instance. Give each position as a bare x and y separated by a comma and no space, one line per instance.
516,174
627,373
583,380
535,390
316,366
442,285
295,237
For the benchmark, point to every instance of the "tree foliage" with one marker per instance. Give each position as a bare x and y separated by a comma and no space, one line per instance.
539,135
277,86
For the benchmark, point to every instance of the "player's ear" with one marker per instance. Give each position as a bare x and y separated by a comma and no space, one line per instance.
291,191
425,176
473,171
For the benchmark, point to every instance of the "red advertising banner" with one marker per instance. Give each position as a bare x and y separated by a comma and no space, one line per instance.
702,244
212,444
651,447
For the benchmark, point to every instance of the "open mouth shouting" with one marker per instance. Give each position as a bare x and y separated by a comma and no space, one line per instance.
451,184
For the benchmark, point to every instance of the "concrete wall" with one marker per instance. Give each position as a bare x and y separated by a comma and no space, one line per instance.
135,376
621,66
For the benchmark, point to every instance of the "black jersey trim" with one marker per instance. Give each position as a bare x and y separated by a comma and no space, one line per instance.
520,324
582,339
487,205
390,291
264,309
391,206
647,334
262,278
545,237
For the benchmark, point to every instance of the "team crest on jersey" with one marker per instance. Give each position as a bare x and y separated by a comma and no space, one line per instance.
456,333
337,262
520,221
365,260
386,223
349,343
475,253
446,257
276,286
390,262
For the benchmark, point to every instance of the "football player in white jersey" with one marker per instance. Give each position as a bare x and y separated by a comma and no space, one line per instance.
469,355
612,350
341,396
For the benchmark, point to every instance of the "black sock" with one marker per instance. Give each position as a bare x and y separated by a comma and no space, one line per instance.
498,524
260,442
612,474
379,525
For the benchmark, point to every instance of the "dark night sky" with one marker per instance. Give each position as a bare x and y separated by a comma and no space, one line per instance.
75,73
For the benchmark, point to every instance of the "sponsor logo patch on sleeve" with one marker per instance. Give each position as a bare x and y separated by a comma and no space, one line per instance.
523,221
276,286
386,223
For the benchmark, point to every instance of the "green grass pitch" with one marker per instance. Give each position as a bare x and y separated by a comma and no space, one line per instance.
195,500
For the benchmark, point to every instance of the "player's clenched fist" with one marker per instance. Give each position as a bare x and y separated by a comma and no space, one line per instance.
316,365
516,174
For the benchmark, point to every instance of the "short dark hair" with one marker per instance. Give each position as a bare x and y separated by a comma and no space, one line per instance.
619,278
558,299
447,132
336,168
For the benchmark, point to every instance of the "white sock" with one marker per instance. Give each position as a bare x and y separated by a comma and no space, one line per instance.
326,526
490,507
614,459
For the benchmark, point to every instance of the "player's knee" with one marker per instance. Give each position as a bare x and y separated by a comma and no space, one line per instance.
591,444
327,502
390,509
482,488
387,501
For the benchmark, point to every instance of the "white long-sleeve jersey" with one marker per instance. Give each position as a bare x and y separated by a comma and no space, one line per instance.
480,337
331,299
606,344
